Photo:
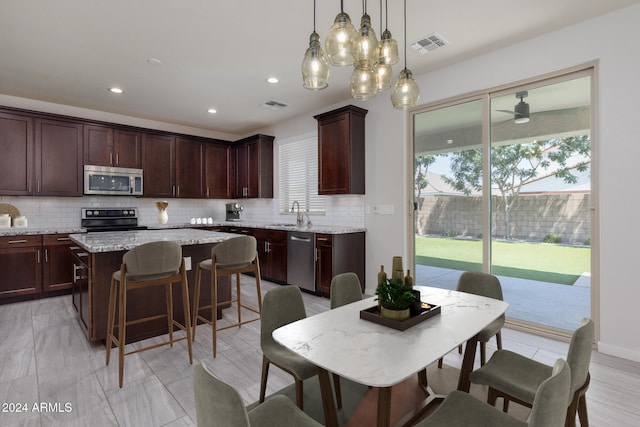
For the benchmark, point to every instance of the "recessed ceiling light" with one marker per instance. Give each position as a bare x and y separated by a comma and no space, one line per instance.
272,80
212,110
154,61
449,141
115,90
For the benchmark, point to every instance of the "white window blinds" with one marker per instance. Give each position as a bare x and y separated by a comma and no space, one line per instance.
299,176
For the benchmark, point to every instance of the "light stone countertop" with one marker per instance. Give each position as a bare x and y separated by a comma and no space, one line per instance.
125,240
325,229
30,231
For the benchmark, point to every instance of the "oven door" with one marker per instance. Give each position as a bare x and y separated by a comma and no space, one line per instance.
112,181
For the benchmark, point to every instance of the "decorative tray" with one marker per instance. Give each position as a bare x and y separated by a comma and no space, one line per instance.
427,311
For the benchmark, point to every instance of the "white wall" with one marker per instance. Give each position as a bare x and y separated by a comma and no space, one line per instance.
612,41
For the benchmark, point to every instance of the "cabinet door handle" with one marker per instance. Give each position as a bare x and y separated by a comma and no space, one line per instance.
317,254
46,255
207,191
38,256
17,241
75,269
63,239
82,254
173,190
38,190
110,158
117,159
323,239
29,186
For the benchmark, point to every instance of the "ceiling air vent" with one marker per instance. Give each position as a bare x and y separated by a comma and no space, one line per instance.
273,105
428,43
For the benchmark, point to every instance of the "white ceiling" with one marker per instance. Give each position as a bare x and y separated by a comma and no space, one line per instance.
219,53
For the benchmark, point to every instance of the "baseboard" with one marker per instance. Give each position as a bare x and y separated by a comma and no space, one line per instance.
616,351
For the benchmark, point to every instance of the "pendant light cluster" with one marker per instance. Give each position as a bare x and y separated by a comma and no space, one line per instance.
371,59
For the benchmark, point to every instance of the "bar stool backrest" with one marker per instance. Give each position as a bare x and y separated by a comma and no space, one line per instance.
234,253
153,259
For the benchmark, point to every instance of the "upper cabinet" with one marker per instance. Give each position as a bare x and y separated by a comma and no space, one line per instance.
16,161
254,167
218,171
173,167
58,158
41,157
105,146
341,142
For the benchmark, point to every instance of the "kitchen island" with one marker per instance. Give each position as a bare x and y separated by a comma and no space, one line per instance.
98,255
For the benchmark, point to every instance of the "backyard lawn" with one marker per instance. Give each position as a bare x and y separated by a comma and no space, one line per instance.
535,261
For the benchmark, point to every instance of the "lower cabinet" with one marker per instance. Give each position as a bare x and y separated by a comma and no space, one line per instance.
20,266
35,264
272,253
336,254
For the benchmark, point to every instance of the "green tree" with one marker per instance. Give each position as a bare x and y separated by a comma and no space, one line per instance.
422,164
513,166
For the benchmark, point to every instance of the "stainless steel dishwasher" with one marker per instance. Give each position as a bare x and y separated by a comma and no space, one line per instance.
301,260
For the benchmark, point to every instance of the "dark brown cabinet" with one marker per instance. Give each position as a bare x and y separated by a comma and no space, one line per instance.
105,146
336,254
272,253
341,151
16,161
57,269
254,167
20,266
173,167
58,158
218,171
40,156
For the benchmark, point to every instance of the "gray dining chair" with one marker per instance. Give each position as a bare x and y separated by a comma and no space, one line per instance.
345,289
460,409
516,378
219,404
281,306
486,285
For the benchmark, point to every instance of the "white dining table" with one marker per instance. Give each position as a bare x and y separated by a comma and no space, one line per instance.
338,341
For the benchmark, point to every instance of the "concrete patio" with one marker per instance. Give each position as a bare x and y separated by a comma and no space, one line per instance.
549,304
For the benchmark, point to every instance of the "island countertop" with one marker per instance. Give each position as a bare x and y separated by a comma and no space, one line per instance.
126,240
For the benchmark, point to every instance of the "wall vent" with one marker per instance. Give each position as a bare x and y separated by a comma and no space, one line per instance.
273,105
428,43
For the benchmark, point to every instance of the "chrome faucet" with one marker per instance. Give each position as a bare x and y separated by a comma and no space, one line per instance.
299,220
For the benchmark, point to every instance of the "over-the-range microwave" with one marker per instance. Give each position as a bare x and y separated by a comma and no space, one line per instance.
112,181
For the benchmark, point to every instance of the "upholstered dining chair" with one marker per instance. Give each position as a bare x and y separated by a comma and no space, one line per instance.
460,409
149,265
486,285
345,289
219,404
281,306
516,378
231,257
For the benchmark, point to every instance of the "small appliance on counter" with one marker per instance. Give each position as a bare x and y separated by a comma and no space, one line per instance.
20,222
5,220
233,211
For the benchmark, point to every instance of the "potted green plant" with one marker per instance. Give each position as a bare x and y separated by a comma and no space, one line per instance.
394,299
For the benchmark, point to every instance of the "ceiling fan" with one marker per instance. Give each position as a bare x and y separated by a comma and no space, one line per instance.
520,110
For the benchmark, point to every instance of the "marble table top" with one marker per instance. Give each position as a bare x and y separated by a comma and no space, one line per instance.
378,356
125,240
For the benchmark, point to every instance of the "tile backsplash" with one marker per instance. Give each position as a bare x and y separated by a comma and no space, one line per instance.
64,212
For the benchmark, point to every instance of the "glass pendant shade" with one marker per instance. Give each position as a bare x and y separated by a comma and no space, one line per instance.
363,83
338,44
365,45
315,65
388,49
405,93
384,73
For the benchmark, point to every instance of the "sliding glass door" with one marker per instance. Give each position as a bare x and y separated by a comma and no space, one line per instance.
506,189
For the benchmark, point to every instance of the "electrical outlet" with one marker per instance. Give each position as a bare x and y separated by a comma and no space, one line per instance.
385,209
187,263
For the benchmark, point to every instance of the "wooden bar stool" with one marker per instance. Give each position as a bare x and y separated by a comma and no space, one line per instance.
148,265
233,256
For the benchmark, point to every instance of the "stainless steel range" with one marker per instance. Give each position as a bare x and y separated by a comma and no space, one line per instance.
110,219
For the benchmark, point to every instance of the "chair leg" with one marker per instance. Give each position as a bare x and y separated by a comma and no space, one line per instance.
169,291
582,411
336,386
122,326
460,349
214,310
111,318
263,378
196,302
258,285
187,314
238,296
439,363
483,353
499,340
299,394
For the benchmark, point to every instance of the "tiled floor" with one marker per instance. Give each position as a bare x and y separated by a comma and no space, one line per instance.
46,360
